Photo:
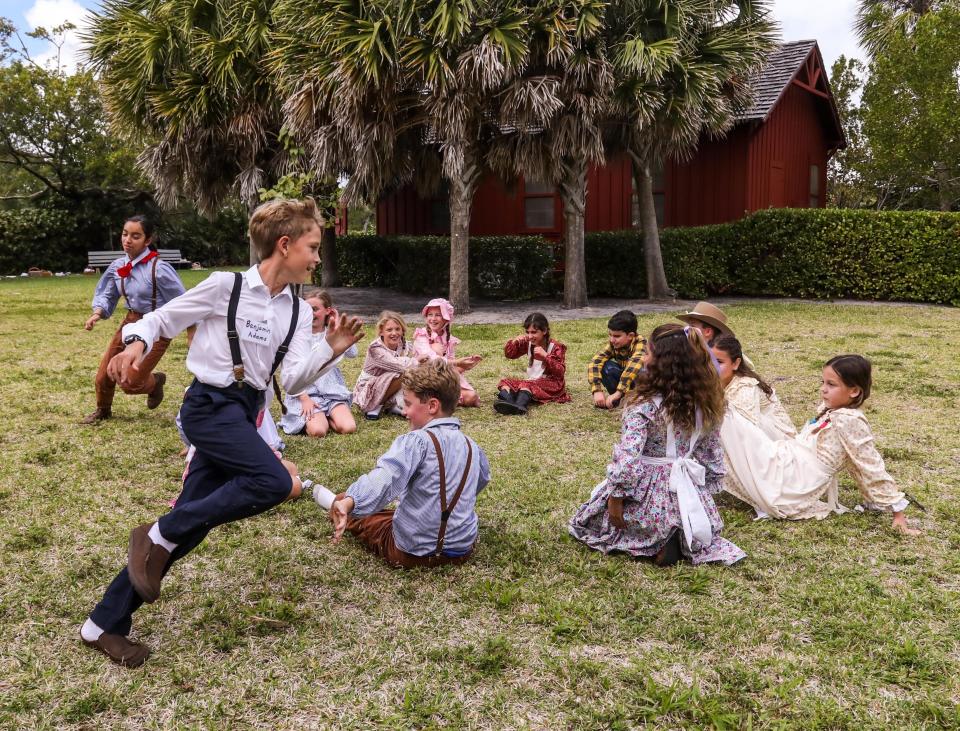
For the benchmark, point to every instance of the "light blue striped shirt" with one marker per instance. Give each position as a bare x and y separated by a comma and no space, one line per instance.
409,473
139,286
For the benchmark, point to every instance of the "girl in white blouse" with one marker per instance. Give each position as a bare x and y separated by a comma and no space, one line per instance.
783,476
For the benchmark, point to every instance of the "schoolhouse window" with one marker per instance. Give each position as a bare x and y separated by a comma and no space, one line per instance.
539,205
814,186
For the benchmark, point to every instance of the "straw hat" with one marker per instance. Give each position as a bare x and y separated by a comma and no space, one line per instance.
710,314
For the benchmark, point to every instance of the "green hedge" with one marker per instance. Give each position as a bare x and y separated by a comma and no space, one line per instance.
39,237
821,253
696,262
831,253
502,267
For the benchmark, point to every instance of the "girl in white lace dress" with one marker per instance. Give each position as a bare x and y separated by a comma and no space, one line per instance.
796,477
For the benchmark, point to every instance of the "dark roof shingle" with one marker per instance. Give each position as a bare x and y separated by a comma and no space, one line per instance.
782,65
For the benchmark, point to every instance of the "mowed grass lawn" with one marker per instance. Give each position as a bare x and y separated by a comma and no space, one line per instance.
833,624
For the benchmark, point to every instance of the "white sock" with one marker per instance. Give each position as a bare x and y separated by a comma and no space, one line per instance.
159,539
90,631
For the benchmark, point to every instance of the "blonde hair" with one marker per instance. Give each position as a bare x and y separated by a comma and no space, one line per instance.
323,296
281,217
388,315
434,379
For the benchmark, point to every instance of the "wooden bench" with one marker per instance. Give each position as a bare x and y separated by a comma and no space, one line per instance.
102,259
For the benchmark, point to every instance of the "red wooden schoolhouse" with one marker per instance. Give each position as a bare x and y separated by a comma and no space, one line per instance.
774,157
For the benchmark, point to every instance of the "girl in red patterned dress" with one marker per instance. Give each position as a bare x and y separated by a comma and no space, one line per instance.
546,365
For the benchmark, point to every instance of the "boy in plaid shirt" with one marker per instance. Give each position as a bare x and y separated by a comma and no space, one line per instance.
615,368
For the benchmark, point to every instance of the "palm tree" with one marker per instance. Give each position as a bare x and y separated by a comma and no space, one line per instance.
553,113
188,82
880,20
389,93
682,72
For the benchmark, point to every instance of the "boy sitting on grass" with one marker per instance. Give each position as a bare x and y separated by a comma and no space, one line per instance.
614,369
434,472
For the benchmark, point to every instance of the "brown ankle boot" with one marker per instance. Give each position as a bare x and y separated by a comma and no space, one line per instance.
100,414
156,395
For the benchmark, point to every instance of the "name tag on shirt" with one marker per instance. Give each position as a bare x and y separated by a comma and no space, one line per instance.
255,332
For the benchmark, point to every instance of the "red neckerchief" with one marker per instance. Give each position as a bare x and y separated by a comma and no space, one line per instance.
124,271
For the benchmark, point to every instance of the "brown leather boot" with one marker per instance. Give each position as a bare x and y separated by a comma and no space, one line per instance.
146,562
99,414
121,650
155,397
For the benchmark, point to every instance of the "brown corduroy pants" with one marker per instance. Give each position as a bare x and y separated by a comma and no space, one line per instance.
143,379
375,532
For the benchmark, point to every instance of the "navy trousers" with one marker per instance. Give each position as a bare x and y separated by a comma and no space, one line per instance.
610,375
233,475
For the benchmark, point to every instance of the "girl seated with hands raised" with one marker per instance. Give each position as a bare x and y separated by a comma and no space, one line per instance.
436,341
546,367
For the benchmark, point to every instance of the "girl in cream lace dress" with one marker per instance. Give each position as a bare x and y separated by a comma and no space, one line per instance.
796,477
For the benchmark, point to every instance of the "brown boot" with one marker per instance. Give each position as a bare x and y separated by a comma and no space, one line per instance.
155,397
145,563
101,413
121,650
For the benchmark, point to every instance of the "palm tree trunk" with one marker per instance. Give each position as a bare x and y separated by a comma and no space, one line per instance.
573,193
329,273
657,287
462,189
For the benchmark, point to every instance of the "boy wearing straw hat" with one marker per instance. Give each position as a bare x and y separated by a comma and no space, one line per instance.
711,321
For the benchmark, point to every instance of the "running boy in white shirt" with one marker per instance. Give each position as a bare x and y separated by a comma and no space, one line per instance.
246,324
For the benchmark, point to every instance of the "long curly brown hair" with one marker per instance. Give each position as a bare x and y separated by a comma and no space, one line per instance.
681,371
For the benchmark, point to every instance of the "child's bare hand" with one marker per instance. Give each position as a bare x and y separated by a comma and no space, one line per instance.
339,514
539,353
121,364
93,320
599,400
343,332
615,512
613,399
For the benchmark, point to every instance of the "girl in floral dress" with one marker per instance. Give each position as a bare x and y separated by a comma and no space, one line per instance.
436,341
657,499
546,366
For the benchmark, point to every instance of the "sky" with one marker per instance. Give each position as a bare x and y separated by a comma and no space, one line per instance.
830,22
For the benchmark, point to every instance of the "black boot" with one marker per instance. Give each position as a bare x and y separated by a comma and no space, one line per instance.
504,403
522,402
670,554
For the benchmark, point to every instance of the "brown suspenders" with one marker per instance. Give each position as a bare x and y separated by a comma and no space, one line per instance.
123,289
446,510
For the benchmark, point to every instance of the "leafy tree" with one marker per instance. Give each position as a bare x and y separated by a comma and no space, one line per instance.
911,114
881,21
52,142
848,171
187,81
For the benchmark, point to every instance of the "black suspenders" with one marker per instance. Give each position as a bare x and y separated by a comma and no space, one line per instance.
233,337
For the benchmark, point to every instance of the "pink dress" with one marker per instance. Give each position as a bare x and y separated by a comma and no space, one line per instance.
424,339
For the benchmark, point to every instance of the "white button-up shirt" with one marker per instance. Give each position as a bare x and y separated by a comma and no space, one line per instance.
262,318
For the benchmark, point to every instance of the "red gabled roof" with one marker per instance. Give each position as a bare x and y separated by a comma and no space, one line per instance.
795,63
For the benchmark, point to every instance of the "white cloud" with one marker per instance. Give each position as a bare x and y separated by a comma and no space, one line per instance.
829,22
51,13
